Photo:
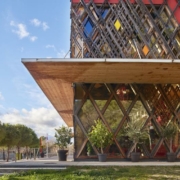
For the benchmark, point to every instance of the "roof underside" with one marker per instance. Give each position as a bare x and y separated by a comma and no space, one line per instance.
55,76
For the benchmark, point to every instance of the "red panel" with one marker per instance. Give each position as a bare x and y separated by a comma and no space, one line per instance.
177,14
172,4
147,1
97,1
75,1
117,1
153,1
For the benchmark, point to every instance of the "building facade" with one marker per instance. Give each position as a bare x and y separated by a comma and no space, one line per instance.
124,66
128,29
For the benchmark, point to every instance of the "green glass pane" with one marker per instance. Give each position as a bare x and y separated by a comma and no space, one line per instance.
122,140
100,103
79,137
138,112
87,115
113,115
126,104
114,151
89,150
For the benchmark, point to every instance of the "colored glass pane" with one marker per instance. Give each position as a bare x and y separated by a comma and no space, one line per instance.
145,50
117,25
88,27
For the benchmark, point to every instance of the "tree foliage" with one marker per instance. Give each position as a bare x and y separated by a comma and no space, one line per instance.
26,136
17,135
2,131
100,136
35,140
135,131
63,136
169,132
12,136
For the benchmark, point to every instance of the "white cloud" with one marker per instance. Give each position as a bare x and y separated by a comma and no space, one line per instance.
33,38
1,96
36,95
20,29
45,26
59,53
41,120
51,46
38,23
30,92
35,22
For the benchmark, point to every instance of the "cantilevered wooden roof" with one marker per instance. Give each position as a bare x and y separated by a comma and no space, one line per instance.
55,76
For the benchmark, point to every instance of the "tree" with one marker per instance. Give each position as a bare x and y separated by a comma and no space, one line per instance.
11,138
2,131
26,137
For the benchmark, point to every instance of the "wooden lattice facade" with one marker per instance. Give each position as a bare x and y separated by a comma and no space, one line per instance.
147,29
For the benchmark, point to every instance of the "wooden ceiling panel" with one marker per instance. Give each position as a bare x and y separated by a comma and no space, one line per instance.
55,78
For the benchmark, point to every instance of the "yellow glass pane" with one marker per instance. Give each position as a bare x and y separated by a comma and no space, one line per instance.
145,50
117,25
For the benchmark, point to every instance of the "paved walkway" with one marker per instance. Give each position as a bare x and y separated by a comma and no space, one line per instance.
52,162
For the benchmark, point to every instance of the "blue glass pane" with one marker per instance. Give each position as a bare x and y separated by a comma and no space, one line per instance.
88,27
104,13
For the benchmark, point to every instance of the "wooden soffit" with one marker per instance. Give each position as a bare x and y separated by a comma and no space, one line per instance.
55,76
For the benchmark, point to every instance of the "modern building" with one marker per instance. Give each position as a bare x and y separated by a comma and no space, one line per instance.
124,66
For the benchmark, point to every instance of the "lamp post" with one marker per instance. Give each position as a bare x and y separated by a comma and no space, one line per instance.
47,145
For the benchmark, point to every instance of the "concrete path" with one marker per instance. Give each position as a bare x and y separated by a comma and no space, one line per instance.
53,162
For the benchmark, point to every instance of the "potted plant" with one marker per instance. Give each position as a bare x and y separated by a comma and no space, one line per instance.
63,137
169,133
89,149
135,133
100,137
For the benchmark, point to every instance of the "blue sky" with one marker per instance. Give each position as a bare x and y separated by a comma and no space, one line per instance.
30,29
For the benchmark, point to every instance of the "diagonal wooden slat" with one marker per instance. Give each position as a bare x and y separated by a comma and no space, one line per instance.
156,148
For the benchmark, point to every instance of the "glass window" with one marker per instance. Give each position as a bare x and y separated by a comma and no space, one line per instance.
104,13
88,27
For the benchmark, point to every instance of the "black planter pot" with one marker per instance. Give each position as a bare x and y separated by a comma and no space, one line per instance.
62,155
102,157
171,157
135,156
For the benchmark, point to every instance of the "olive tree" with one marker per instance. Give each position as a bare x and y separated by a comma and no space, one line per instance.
12,136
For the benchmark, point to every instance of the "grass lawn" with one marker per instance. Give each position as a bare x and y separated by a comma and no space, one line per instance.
99,173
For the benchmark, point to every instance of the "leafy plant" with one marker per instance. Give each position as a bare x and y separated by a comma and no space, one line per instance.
135,131
100,136
89,148
169,132
63,137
